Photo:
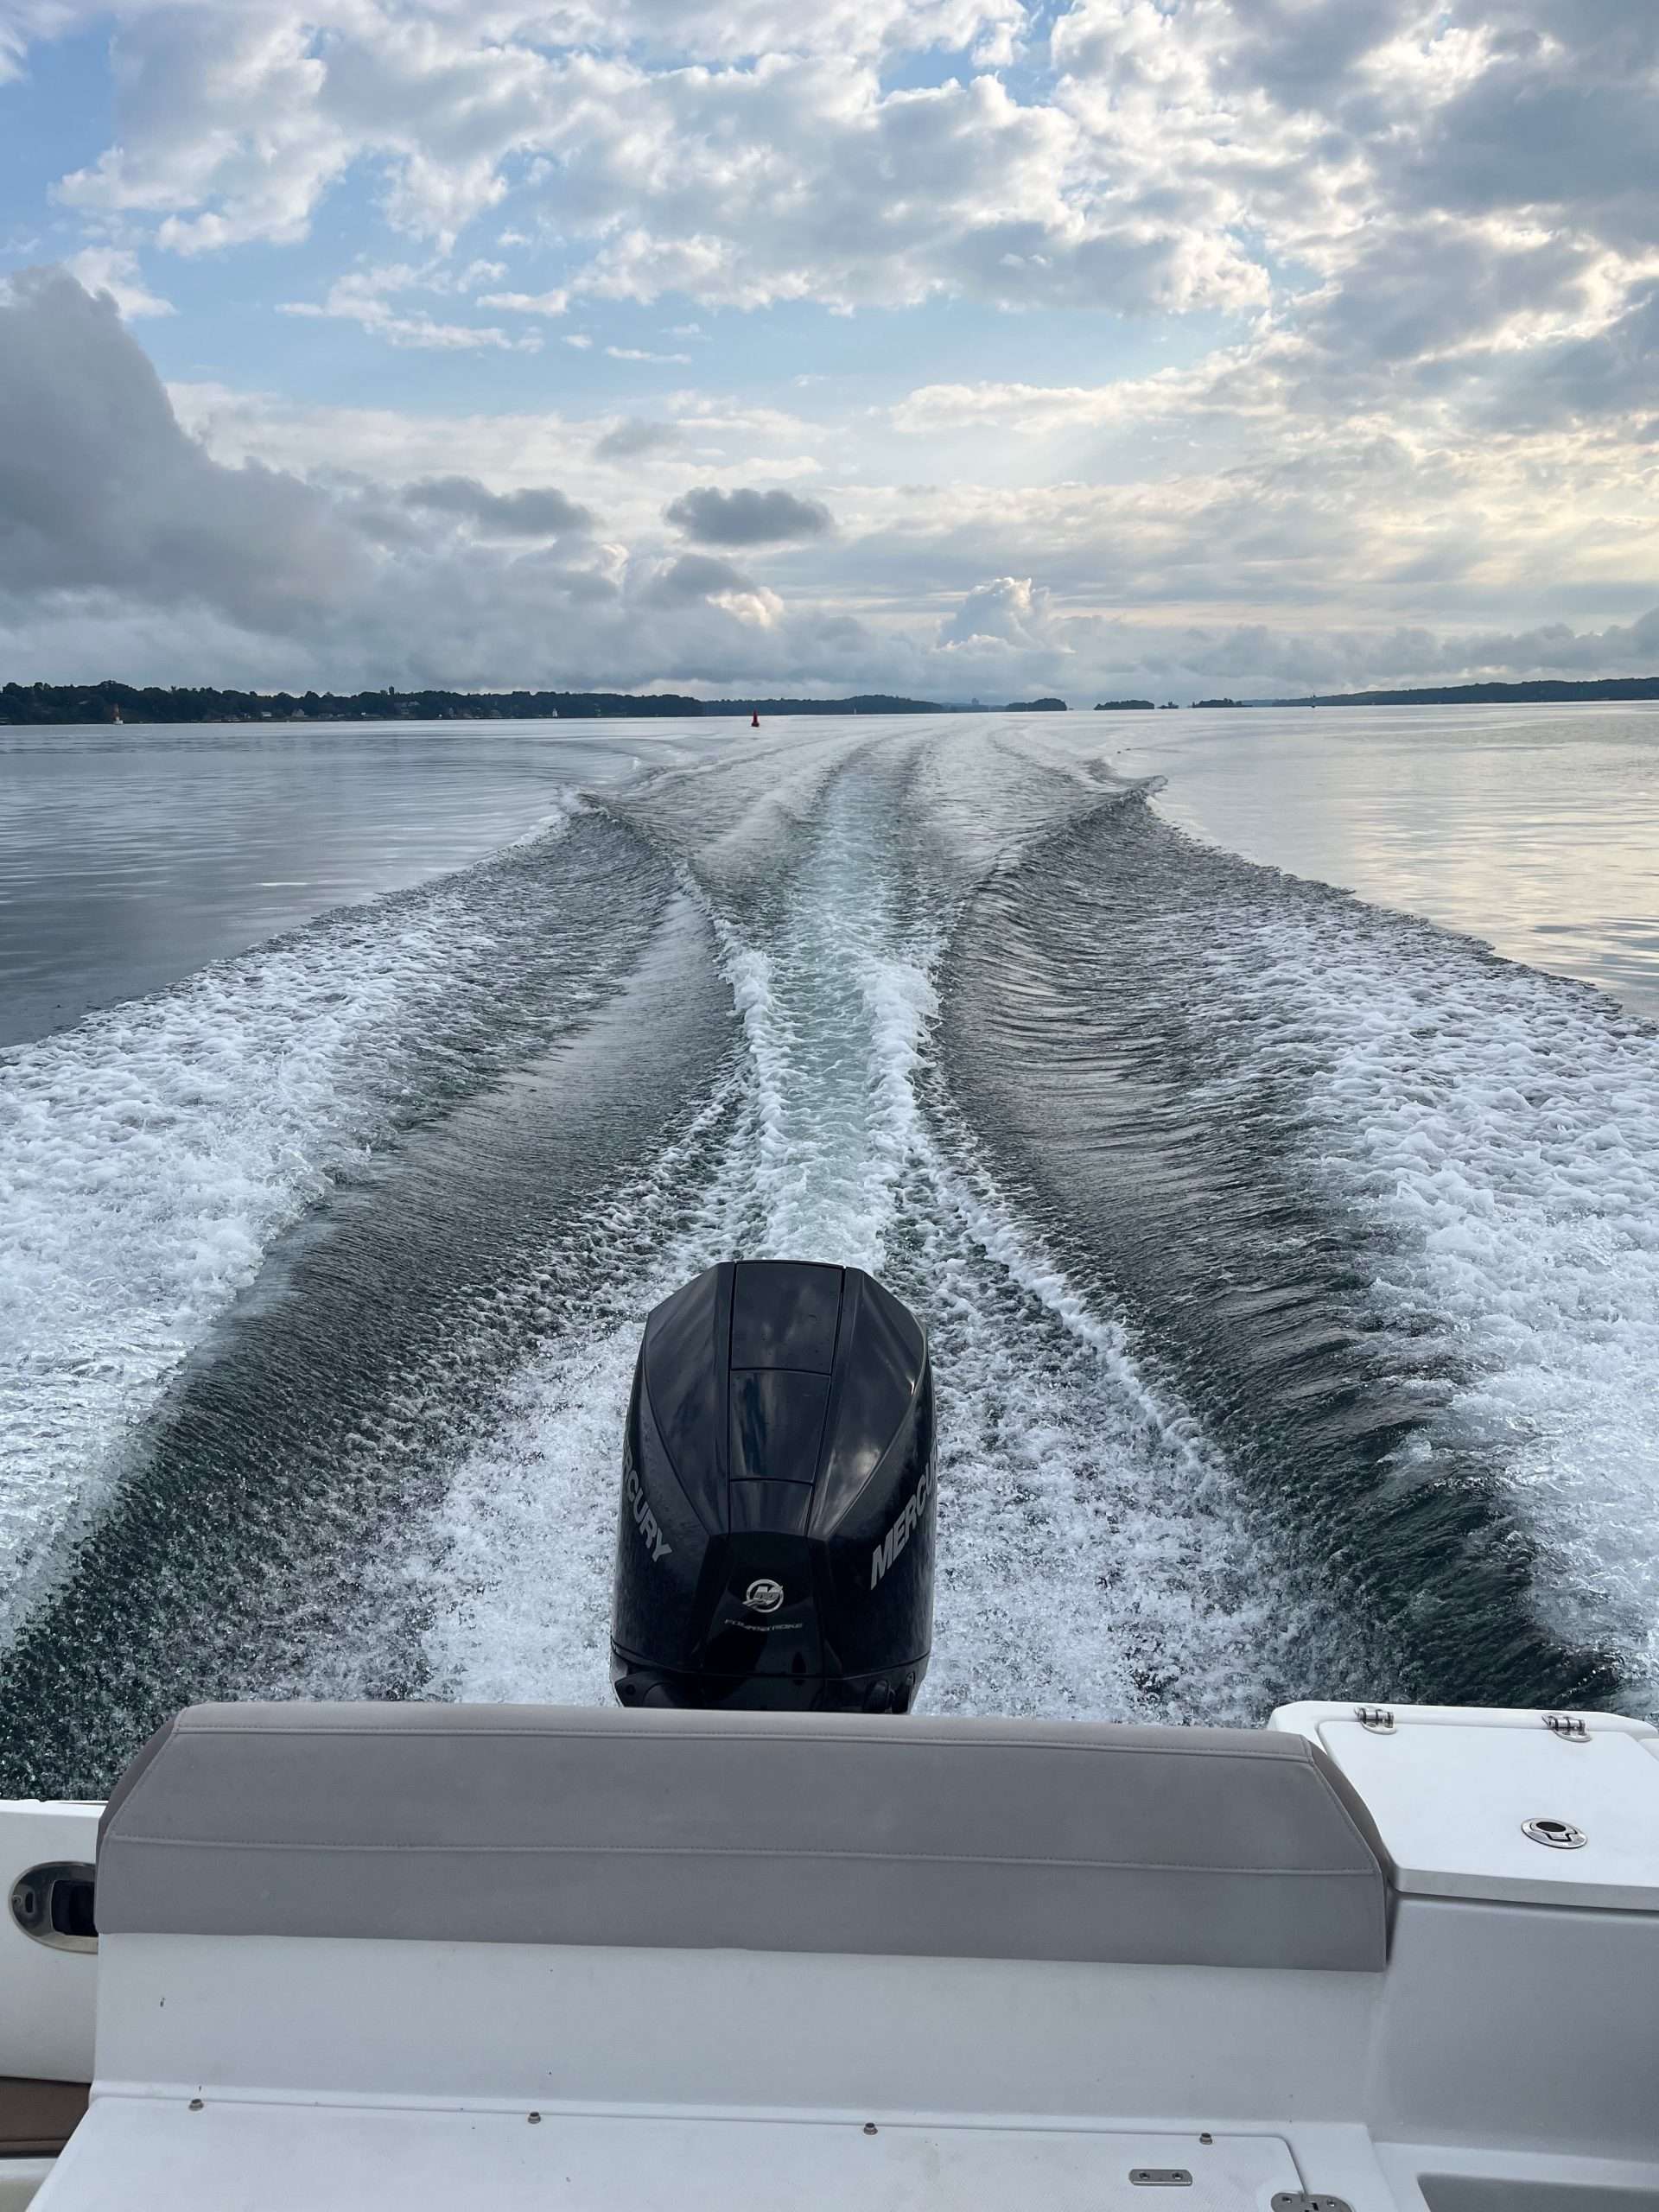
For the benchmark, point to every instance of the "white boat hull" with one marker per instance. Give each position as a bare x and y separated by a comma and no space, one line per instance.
1499,2048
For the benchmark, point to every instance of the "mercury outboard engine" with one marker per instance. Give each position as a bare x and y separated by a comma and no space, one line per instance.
776,1546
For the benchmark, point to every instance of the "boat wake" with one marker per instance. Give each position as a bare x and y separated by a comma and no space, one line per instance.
1385,1205
1094,1556
1289,1264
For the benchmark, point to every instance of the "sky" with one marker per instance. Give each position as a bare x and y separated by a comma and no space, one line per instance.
962,348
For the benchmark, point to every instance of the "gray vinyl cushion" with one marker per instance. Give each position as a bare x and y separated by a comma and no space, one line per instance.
969,1839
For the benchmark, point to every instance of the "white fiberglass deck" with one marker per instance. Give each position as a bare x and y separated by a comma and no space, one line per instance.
355,1960
255,2158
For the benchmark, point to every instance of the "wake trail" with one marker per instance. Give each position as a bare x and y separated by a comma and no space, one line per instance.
1384,1203
1288,1266
151,1155
1094,1556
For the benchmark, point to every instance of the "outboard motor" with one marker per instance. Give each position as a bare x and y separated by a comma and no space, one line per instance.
776,1546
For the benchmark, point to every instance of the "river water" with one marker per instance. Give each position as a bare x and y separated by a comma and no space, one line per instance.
1291,1258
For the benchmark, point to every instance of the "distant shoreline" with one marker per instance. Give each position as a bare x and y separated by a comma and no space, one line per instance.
1541,693
42,705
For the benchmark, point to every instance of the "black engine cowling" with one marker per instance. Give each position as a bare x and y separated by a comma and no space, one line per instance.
776,1542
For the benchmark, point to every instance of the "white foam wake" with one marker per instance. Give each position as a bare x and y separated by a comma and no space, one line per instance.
1095,1557
1500,1131
149,1156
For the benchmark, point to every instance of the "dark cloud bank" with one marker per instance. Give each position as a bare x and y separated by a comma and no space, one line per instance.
717,518
126,550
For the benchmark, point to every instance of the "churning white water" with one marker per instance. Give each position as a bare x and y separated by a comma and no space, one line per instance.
1094,1558
1290,1265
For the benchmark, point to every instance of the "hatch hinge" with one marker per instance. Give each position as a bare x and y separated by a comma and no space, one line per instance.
1309,2200
1376,1717
1568,1726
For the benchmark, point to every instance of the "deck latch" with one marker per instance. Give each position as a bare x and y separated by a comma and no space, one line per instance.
54,1905
1559,1835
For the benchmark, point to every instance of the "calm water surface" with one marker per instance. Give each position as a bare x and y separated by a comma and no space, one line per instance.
131,856
1534,828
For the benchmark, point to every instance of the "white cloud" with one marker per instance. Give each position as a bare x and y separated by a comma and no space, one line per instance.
510,450
1423,232
1028,410
548,304
699,579
364,296
784,171
115,270
1162,154
631,437
366,546
226,132
1009,610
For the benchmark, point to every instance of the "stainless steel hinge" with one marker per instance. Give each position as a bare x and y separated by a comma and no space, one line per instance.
1568,1726
1309,2200
1376,1717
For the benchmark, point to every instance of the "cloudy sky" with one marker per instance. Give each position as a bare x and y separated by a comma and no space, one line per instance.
964,347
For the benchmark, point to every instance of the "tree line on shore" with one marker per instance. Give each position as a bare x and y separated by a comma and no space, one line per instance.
154,702
110,701
1538,691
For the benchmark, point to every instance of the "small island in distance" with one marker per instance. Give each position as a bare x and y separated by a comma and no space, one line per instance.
1123,707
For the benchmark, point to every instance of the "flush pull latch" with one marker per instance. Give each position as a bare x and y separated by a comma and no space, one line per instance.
54,1905
1559,1835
